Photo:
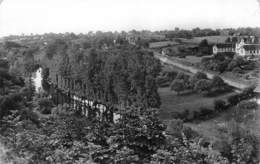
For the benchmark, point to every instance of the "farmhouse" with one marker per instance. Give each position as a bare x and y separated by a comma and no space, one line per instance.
223,47
246,48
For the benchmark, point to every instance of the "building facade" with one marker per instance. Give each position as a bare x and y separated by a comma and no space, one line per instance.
247,47
244,48
220,48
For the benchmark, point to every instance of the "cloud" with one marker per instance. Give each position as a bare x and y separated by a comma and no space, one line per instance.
258,1
1,1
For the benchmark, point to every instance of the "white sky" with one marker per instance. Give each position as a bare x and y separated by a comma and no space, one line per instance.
40,16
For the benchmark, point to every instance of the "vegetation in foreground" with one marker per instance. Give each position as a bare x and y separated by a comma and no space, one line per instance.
64,136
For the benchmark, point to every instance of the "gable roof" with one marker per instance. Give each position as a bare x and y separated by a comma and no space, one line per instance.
250,47
225,45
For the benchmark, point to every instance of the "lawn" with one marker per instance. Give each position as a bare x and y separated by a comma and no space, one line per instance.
171,102
193,59
214,129
162,44
210,39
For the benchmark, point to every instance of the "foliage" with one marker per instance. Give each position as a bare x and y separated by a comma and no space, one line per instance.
141,133
196,77
45,105
220,105
247,105
122,76
244,95
243,144
178,86
202,85
4,64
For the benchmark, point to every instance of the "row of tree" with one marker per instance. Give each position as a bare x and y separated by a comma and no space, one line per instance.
121,76
198,82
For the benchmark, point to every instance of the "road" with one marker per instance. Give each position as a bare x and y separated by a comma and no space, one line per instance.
194,70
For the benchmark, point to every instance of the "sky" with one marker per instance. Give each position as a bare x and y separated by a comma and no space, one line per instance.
81,16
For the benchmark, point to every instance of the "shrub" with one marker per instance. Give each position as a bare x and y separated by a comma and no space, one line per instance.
202,85
178,86
196,114
248,92
217,82
189,133
175,127
196,77
237,70
45,105
205,112
247,105
185,115
182,76
220,105
234,99
162,81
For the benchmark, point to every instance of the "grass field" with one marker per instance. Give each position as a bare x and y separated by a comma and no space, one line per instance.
162,44
214,129
171,102
193,59
210,39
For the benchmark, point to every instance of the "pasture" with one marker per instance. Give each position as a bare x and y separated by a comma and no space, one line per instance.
171,102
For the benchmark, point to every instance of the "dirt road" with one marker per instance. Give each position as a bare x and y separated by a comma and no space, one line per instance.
235,83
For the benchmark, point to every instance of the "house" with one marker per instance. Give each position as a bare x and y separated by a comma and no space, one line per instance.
223,47
247,48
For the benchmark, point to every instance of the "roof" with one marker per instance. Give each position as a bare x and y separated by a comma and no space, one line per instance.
225,45
252,47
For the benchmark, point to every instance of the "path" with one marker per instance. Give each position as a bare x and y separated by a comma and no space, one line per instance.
194,70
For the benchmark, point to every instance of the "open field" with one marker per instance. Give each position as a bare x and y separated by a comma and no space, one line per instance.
210,39
193,59
162,44
214,129
171,102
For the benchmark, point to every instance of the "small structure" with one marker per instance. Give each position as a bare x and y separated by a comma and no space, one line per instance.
223,47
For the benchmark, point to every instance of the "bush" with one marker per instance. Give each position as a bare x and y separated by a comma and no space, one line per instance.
247,105
162,81
205,112
184,115
220,105
237,70
196,77
178,86
234,99
189,133
202,85
45,105
248,92
175,127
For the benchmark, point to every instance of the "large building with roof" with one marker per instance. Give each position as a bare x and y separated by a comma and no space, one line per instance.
244,48
223,47
247,47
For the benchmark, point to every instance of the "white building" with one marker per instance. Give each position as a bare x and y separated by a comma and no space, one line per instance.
247,49
224,47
